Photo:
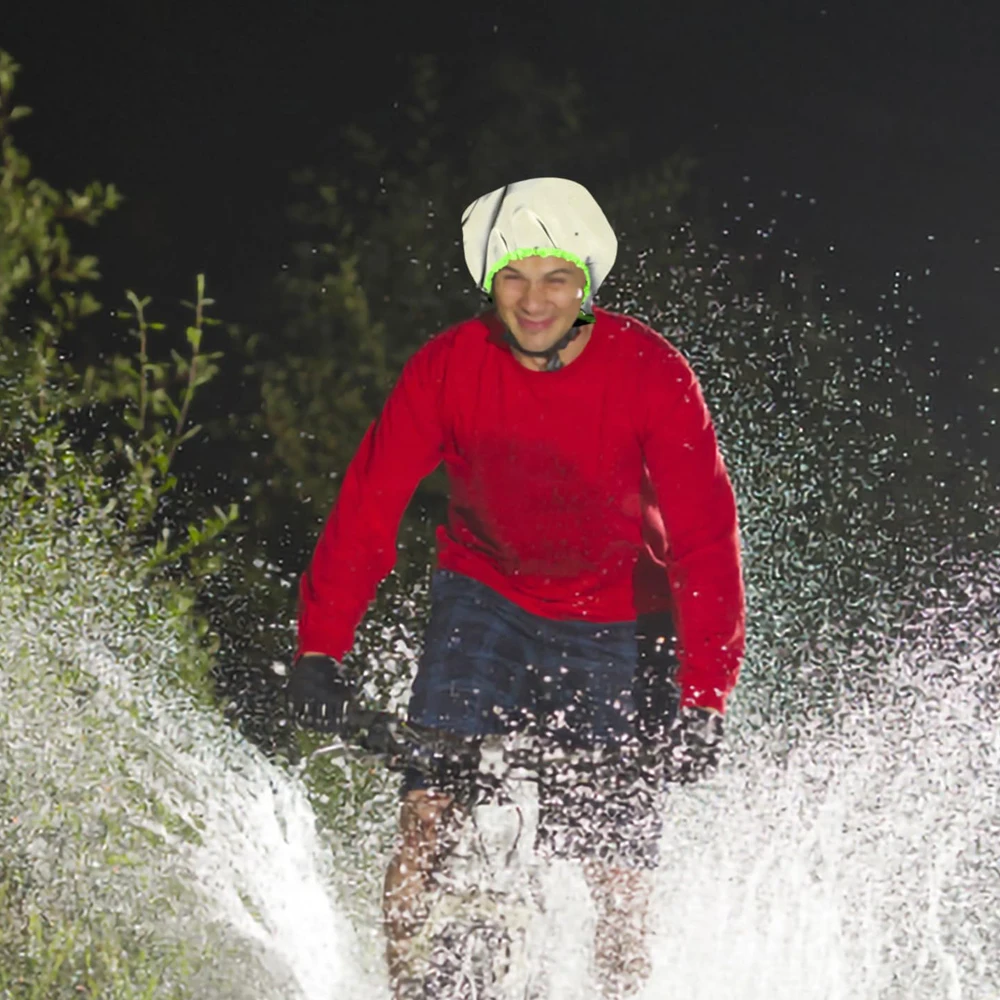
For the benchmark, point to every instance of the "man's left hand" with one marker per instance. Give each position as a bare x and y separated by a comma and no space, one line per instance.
693,744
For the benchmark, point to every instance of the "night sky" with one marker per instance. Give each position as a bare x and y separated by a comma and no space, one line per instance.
884,118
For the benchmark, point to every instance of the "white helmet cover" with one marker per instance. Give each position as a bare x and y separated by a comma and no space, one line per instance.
541,217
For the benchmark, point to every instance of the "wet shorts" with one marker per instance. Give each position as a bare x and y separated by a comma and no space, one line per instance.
489,667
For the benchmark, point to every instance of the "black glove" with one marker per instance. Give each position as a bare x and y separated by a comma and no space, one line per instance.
693,745
319,692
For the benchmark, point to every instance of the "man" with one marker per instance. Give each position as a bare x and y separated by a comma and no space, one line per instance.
586,493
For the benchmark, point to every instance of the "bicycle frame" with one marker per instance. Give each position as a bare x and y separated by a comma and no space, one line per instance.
482,938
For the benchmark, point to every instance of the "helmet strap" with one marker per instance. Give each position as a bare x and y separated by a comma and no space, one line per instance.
552,360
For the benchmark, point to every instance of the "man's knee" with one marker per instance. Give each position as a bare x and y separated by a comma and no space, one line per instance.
423,807
425,817
619,890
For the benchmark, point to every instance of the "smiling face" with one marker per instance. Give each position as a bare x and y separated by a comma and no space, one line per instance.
538,299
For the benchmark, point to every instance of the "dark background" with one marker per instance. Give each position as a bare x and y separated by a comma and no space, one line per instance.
870,133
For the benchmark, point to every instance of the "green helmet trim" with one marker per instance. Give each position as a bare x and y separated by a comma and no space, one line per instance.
539,252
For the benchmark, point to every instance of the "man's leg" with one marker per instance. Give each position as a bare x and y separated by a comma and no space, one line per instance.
621,946
586,689
471,681
428,823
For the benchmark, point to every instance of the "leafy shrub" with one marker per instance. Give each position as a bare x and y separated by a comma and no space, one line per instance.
87,463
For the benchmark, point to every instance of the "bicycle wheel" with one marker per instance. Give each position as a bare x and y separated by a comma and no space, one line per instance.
479,945
471,961
482,936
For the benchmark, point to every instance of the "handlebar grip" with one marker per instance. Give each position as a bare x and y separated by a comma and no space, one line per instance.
405,745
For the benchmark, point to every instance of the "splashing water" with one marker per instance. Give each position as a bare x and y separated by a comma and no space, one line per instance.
859,862
861,866
126,804
848,850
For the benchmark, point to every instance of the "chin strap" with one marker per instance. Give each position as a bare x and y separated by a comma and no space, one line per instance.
552,362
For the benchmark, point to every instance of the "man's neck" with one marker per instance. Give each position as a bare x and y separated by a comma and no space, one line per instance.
567,355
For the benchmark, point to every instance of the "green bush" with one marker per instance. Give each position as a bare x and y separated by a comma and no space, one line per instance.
93,575
129,847
115,427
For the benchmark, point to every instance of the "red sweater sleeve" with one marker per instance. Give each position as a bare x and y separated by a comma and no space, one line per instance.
357,548
699,514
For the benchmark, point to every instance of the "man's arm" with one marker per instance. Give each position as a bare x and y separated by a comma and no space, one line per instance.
357,548
696,501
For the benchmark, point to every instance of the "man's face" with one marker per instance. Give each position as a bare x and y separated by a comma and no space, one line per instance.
538,298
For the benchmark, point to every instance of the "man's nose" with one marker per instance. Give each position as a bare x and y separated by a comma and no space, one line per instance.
534,296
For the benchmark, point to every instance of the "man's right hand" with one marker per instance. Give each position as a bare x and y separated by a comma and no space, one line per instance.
319,692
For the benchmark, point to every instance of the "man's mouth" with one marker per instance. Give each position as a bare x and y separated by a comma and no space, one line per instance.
534,326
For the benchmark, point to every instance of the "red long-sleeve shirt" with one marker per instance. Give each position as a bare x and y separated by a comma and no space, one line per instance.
593,492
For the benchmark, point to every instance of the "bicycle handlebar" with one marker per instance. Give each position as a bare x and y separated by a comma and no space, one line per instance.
401,745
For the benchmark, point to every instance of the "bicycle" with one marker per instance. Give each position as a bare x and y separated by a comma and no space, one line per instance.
482,937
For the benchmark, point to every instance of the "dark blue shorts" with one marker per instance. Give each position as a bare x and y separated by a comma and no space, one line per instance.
489,667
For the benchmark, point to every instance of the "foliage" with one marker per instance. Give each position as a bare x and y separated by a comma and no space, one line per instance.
155,418
105,711
103,558
47,407
36,260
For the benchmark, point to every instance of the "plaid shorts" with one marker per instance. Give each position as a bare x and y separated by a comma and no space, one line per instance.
490,667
